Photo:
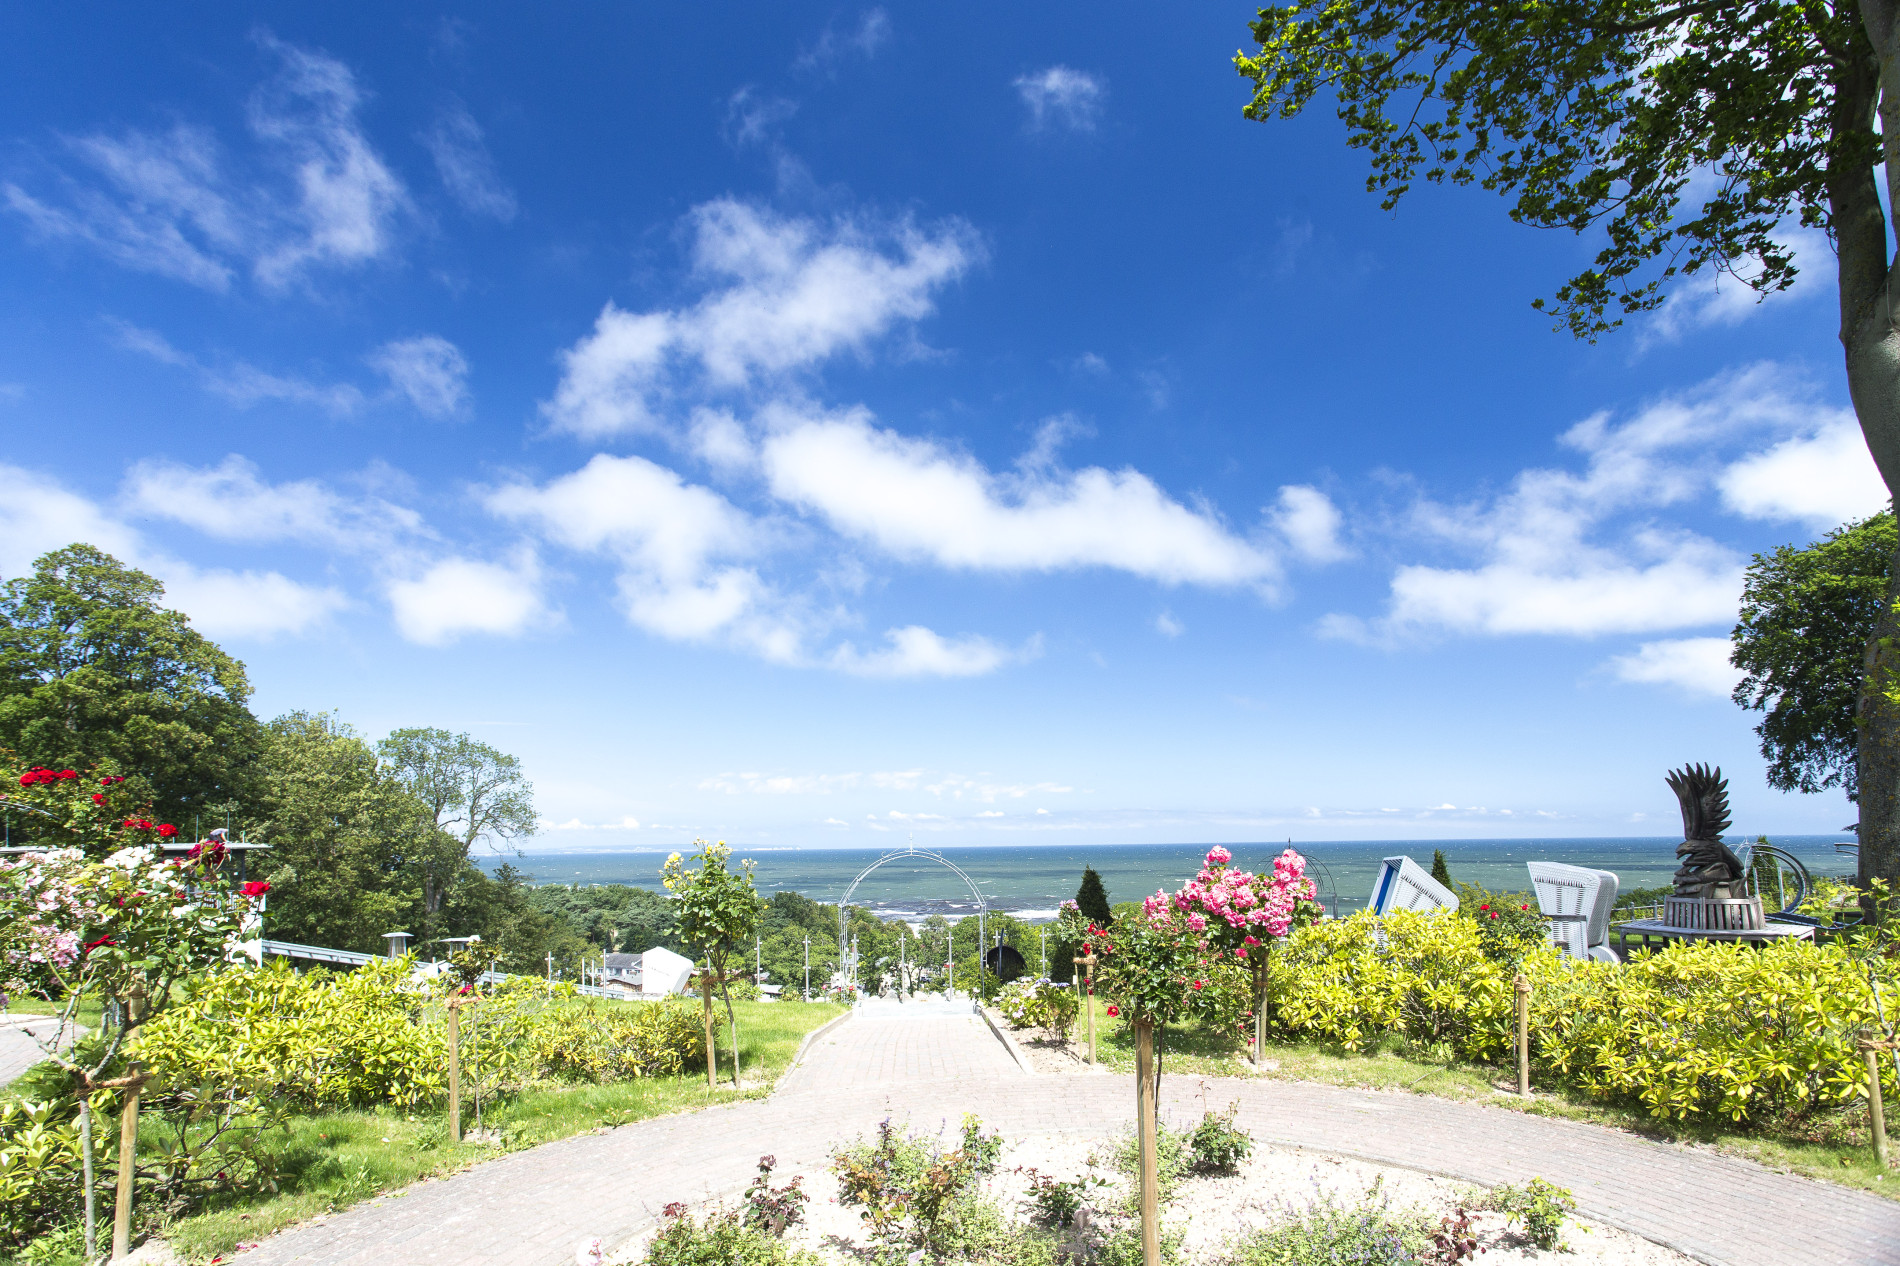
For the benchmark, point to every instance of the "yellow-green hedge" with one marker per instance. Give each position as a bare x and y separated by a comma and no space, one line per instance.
1698,1030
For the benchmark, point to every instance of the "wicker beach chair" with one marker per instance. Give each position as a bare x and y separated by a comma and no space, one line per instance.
1405,885
1576,902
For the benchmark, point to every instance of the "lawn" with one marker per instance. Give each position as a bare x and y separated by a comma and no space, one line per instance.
333,1161
1832,1146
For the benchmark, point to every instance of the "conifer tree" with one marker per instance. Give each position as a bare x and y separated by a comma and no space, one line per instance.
1440,871
1092,898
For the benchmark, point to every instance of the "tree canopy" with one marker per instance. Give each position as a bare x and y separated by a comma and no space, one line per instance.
467,790
93,671
1801,643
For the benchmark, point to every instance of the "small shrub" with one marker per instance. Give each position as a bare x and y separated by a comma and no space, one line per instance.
908,1186
1509,923
1217,1145
40,1167
1027,1003
1540,1207
1328,1234
1123,1246
1055,1201
723,1239
773,1209
1174,1159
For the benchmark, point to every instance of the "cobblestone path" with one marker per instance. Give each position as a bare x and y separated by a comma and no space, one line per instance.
530,1208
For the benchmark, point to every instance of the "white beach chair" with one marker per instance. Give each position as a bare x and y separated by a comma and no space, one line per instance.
1576,901
1405,885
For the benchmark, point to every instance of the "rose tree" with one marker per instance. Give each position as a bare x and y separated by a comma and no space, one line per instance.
718,912
1242,914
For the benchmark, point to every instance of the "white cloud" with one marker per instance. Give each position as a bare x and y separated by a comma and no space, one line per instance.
241,382
1712,298
39,515
753,118
429,370
628,823
1581,554
465,166
1061,97
231,501
915,651
785,295
249,604
671,539
1822,479
165,204
1699,665
1169,626
916,499
1310,522
458,596
872,32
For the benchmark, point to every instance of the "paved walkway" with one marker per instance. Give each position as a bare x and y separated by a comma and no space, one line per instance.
530,1208
18,1050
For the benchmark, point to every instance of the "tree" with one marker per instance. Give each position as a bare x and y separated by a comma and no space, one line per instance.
468,790
1807,616
718,912
342,830
94,672
1440,871
1092,899
1689,132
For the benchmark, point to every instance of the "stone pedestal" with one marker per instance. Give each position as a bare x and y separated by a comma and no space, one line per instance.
1714,914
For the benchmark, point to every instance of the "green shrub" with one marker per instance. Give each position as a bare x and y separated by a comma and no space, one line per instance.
1540,1207
1509,923
1024,1003
40,1168
722,1239
1217,1145
1174,1160
909,1188
1328,1234
1054,1201
619,1041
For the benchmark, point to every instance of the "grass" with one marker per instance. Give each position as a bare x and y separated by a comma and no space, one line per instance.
338,1159
1833,1146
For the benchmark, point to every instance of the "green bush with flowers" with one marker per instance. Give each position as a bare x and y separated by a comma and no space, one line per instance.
1038,1003
1510,925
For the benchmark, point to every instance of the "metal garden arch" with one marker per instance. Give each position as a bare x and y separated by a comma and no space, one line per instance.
897,855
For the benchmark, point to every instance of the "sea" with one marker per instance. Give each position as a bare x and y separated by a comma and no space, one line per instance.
1029,881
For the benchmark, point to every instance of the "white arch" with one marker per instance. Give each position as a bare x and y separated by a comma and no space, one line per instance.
844,902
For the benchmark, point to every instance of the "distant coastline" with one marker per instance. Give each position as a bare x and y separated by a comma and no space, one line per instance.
1031,879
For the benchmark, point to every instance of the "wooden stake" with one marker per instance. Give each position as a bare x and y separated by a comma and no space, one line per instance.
1522,987
92,1206
1087,963
128,1142
1145,1127
1876,1108
454,1043
712,1051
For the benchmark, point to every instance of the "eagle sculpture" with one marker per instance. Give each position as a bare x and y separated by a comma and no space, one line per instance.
1709,869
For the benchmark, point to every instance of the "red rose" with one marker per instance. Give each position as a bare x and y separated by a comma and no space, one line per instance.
167,831
98,798
1114,1010
1523,907
1484,907
106,781
1200,984
1494,914
104,940
256,888
27,780
67,773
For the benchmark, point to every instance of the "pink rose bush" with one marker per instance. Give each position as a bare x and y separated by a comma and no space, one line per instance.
1244,913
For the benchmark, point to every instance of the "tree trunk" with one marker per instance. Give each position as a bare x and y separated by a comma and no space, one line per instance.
732,1022
1870,338
1259,956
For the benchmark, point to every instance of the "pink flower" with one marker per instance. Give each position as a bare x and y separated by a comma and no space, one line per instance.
1218,856
1200,984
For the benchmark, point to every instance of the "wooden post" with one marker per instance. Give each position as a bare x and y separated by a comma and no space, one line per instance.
454,1043
1522,988
712,1052
1876,1108
1260,1005
128,1141
1087,963
1145,1133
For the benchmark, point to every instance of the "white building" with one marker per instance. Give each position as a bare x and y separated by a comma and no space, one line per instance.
654,974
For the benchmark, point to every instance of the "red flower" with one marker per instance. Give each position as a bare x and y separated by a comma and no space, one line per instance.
104,940
98,798
27,780
1200,984
256,888
1113,1010
1494,914
67,773
1523,907
167,831
105,782
1484,907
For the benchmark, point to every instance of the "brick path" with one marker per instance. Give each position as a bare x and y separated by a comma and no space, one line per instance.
530,1208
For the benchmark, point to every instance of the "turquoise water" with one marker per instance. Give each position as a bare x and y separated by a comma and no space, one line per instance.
1031,881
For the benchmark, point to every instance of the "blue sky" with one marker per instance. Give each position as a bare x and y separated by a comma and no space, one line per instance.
806,425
